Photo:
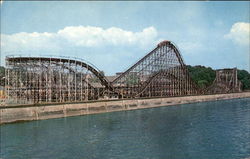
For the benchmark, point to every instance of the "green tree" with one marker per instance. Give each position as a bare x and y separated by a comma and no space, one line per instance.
204,76
2,76
201,75
202,83
244,77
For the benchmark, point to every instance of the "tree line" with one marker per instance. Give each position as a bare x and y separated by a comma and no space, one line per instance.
2,76
204,76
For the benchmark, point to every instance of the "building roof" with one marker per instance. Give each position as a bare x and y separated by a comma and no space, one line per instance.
111,78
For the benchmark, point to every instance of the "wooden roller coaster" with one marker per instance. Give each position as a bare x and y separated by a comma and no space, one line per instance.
160,73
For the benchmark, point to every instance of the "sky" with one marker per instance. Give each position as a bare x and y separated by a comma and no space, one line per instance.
113,35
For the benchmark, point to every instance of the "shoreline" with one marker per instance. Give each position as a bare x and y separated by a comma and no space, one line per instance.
11,114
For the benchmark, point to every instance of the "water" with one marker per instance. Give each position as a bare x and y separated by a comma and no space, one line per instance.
212,130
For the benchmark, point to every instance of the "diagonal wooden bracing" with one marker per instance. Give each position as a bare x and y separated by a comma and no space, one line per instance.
161,72
226,81
42,79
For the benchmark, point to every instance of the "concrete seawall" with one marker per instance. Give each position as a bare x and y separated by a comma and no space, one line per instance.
40,112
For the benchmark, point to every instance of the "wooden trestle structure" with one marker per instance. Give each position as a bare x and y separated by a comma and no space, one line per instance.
226,81
161,73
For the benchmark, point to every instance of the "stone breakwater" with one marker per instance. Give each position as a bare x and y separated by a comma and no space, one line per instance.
10,114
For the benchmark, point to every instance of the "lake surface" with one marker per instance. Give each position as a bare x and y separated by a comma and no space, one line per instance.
211,130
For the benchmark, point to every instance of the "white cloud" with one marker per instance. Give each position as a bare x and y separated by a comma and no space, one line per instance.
77,36
240,33
95,36
28,41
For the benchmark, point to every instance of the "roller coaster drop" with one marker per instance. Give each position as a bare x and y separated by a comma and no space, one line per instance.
161,73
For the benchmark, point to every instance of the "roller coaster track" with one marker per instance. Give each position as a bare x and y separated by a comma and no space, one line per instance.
226,81
63,79
164,58
89,67
148,82
150,54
